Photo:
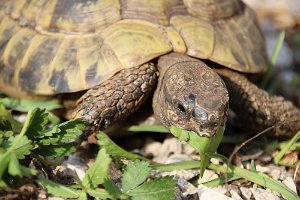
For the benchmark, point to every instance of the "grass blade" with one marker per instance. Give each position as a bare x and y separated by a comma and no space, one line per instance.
274,57
287,147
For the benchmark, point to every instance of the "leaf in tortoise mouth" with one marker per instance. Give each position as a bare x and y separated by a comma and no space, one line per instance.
204,145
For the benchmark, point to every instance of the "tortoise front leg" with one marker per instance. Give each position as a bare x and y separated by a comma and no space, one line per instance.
117,97
256,109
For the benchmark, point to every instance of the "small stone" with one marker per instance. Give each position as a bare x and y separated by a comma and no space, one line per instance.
64,175
208,176
42,194
262,194
266,158
235,195
263,169
188,190
284,174
289,182
152,148
185,174
246,193
177,158
221,189
233,188
206,193
169,147
215,161
20,118
273,192
189,150
275,173
76,164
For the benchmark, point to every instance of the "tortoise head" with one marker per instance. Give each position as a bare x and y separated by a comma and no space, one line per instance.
190,95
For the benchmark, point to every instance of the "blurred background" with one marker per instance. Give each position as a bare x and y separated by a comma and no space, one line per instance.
275,17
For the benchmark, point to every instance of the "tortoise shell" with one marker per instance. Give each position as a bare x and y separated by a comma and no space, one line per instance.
59,46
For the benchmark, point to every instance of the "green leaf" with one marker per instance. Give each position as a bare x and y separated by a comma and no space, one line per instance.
82,196
190,164
221,180
1,139
25,105
258,178
53,119
56,151
204,145
3,184
163,188
287,147
135,174
20,146
112,189
7,120
148,128
62,133
35,123
99,193
253,166
279,42
13,166
14,148
114,150
4,160
59,190
26,171
98,172
5,126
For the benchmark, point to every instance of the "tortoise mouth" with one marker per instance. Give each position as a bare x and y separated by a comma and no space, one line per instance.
203,132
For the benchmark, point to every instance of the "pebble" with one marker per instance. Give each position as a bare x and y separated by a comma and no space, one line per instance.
246,193
207,176
186,174
261,194
76,164
289,182
188,190
235,195
206,193
275,173
262,169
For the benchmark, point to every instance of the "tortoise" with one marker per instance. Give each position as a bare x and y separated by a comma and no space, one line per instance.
119,51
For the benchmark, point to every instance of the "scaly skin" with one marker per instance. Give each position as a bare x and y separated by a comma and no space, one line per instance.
117,97
256,109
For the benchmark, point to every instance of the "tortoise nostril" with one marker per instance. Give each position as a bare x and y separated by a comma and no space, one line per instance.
192,97
181,107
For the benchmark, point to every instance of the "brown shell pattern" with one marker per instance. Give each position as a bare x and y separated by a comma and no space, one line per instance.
58,46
